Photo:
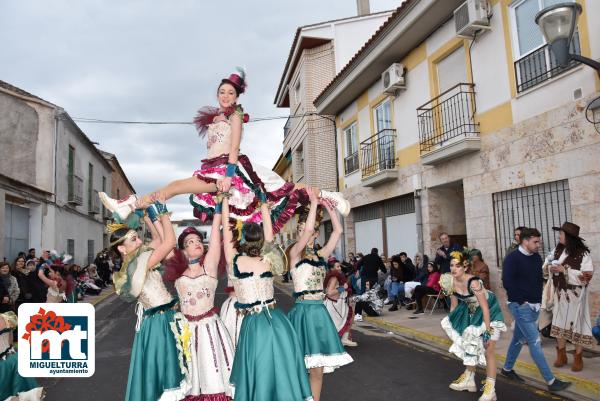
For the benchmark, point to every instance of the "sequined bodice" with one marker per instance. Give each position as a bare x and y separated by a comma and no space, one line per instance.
154,293
196,295
308,276
254,290
251,289
219,139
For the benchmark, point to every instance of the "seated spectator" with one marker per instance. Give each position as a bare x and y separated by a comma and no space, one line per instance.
432,287
479,268
12,287
86,284
92,271
369,302
396,287
356,281
408,267
422,273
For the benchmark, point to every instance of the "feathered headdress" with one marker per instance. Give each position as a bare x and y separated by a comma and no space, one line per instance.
57,259
237,79
465,255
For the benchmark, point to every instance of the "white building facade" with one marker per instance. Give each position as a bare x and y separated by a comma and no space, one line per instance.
480,136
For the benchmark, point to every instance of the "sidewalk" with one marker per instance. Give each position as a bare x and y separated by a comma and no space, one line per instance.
426,329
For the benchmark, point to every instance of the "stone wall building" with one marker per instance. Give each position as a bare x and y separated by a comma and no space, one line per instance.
480,136
50,176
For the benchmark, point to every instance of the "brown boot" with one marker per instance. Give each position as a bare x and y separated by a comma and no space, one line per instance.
561,357
577,362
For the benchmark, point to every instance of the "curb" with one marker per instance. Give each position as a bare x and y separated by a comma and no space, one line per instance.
102,297
586,389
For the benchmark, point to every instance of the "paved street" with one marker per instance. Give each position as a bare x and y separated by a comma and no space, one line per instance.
385,367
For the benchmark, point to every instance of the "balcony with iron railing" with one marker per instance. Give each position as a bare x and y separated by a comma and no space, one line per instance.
75,190
351,163
378,158
447,127
94,203
541,65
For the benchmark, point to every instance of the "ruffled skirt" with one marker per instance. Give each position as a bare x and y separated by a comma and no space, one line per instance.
249,180
211,355
157,368
318,336
232,319
269,364
465,330
12,384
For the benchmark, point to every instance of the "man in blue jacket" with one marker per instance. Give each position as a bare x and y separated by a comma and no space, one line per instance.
523,280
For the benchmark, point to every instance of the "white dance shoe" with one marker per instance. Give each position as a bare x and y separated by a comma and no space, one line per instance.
336,200
121,208
489,391
347,342
465,382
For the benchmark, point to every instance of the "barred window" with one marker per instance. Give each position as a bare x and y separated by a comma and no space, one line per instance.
539,206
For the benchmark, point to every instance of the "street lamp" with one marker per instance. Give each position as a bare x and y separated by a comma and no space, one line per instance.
557,24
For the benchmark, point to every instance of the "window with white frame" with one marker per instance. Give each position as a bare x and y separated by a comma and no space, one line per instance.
534,63
299,163
383,116
351,140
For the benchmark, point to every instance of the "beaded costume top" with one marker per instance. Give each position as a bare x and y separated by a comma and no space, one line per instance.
196,294
308,276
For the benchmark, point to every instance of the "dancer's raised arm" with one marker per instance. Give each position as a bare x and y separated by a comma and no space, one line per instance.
169,242
227,234
213,255
267,223
309,227
335,235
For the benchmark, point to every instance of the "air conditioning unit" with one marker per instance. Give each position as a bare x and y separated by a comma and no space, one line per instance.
470,17
393,78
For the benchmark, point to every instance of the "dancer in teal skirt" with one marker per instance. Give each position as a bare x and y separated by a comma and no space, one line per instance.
323,351
158,368
474,324
268,364
13,386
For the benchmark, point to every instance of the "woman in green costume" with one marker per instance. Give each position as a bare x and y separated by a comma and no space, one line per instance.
268,363
13,387
323,351
474,325
158,368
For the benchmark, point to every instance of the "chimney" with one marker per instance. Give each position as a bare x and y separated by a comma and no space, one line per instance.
363,7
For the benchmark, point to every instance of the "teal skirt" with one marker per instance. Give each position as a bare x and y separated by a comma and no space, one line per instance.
11,382
268,363
319,340
465,328
155,361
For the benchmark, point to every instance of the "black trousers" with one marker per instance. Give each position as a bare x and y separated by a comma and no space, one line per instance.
420,292
366,307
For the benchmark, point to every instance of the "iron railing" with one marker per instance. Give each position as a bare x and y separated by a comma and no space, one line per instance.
539,206
541,65
75,189
379,152
351,163
447,116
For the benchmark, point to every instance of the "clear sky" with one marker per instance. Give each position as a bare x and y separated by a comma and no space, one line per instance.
157,60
